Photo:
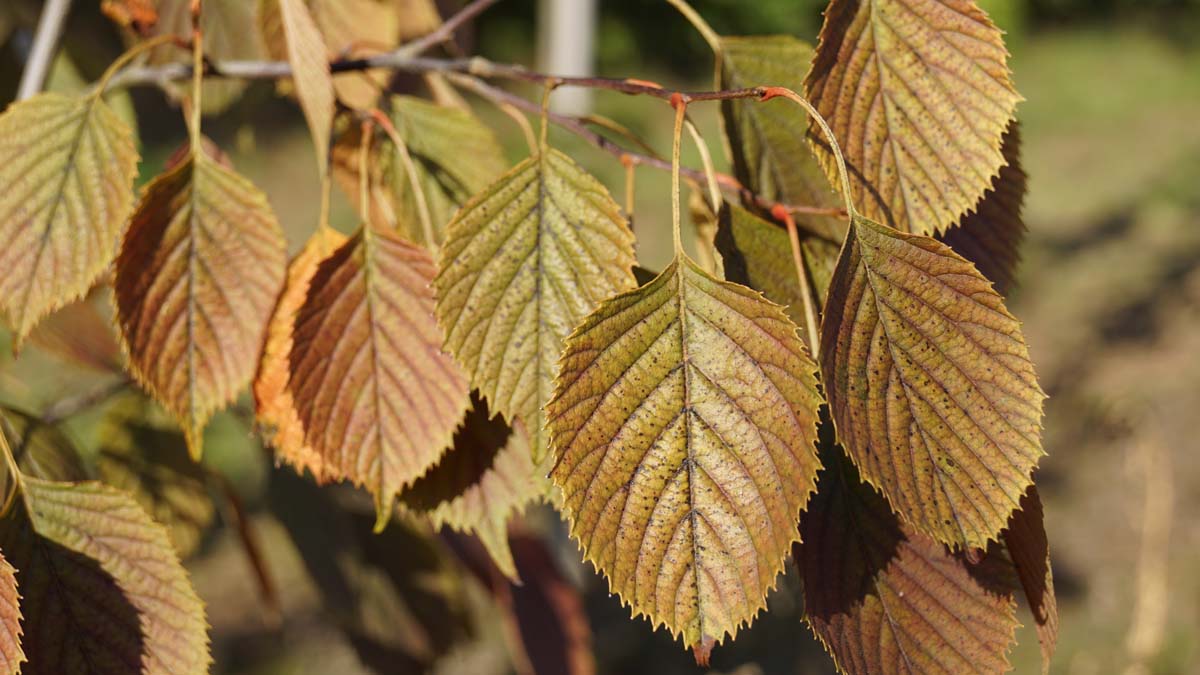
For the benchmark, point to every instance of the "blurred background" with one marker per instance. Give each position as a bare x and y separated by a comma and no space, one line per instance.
1109,295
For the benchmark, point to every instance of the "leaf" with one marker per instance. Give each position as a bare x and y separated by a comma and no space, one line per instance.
103,591
80,334
991,235
199,271
759,255
41,450
885,599
377,397
547,614
767,143
310,72
67,166
930,384
229,35
275,409
1026,541
484,480
417,18
358,28
145,458
11,654
683,421
918,94
456,157
523,262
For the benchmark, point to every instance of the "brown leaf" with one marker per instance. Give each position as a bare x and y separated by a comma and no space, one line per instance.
11,655
1030,553
378,398
199,271
80,334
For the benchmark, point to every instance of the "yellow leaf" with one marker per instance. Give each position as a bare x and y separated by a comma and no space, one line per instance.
11,654
67,166
358,28
930,384
275,410
918,94
310,72
377,397
198,274
523,262
683,422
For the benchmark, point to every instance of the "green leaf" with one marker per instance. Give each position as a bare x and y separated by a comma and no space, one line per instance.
67,165
375,393
523,262
11,654
102,590
148,459
770,155
930,384
990,236
683,422
483,481
918,94
759,255
886,600
1029,549
41,450
456,157
198,274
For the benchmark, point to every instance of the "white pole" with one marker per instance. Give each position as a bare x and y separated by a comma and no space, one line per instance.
566,45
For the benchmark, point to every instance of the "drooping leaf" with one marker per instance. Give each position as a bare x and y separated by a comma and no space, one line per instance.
310,70
683,421
11,654
41,450
358,28
456,157
67,166
918,94
275,409
198,274
102,590
990,236
759,255
228,28
80,334
930,384
770,155
485,479
148,459
522,264
886,600
378,398
1026,542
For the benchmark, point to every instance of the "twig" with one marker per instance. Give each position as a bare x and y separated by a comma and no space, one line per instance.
73,405
446,31
45,42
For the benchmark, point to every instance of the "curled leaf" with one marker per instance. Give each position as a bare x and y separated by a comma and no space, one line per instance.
683,422
377,396
275,409
918,94
197,276
930,384
67,165
523,262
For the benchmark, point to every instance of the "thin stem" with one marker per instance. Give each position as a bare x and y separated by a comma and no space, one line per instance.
710,172
810,309
364,165
133,52
521,121
446,31
69,407
545,130
772,92
680,104
14,472
630,174
710,36
414,183
45,43
197,79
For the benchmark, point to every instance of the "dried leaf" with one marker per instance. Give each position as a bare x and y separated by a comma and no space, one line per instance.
546,618
199,271
1026,541
11,654
991,235
144,457
358,28
377,397
456,157
683,421
67,166
769,153
80,334
918,94
275,410
930,384
887,600
103,591
229,35
310,72
484,480
417,18
522,264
